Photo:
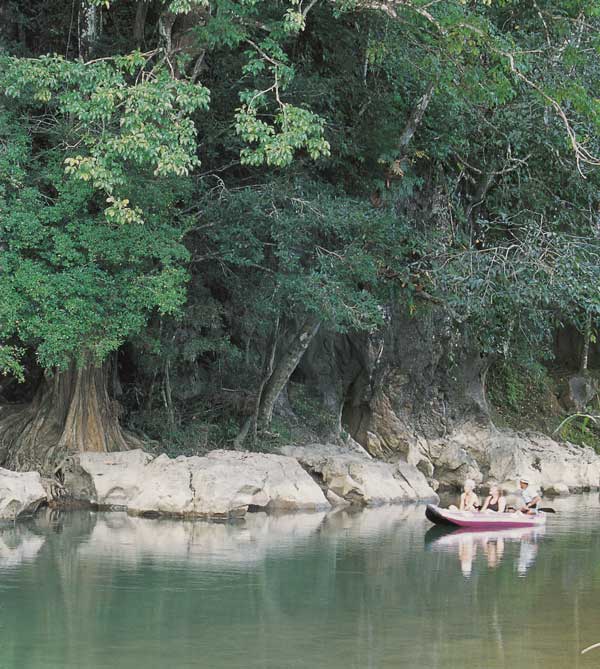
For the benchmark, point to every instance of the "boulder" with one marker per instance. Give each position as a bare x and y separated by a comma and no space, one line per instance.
579,391
223,483
106,479
283,482
414,480
557,489
359,479
453,463
166,488
492,455
21,494
336,500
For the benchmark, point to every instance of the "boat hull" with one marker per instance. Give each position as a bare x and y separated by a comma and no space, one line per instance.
483,520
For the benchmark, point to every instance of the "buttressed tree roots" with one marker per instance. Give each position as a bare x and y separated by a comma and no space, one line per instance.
71,412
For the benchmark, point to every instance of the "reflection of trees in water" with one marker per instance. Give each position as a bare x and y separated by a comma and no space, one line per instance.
102,581
352,590
44,603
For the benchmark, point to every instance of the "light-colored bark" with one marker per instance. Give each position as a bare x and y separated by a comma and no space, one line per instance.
71,412
89,28
587,336
415,118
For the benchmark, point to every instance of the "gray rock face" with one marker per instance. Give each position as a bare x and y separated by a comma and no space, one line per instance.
418,485
416,376
359,479
223,483
20,494
453,463
579,392
486,454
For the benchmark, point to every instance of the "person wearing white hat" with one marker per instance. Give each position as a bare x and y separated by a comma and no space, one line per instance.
530,497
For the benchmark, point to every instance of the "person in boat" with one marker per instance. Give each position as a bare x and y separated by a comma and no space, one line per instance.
468,499
529,496
495,501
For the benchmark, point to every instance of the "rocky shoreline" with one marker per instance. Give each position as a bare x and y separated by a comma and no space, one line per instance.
222,484
314,477
490,455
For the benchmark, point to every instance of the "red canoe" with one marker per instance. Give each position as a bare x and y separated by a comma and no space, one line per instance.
483,519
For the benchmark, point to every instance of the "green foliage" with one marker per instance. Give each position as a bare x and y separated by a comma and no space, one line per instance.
294,128
310,412
114,122
517,388
510,292
305,249
189,437
77,279
272,155
581,429
10,361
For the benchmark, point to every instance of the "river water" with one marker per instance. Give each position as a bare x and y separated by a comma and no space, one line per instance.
373,589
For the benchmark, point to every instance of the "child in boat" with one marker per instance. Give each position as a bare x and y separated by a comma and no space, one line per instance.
468,499
495,501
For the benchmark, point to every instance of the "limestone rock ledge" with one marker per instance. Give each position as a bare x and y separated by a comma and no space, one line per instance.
220,484
486,454
21,493
229,483
358,479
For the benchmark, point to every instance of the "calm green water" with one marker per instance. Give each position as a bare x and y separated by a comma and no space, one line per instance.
366,590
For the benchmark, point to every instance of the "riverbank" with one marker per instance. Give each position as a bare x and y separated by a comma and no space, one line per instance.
311,477
489,455
222,484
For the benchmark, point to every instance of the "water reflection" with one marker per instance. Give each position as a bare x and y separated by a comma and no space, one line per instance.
465,543
17,545
117,538
343,590
132,541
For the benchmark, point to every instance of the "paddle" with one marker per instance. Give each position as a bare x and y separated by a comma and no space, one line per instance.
545,509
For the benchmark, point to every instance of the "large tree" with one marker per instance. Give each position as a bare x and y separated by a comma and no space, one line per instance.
94,163
96,153
455,146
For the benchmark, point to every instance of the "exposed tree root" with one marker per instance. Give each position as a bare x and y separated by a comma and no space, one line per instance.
71,412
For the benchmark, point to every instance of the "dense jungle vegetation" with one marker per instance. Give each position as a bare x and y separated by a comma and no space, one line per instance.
190,190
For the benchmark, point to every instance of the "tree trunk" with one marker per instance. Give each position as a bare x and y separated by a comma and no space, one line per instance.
140,22
478,197
267,372
251,423
587,335
414,120
167,397
89,29
285,367
10,23
71,412
178,36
